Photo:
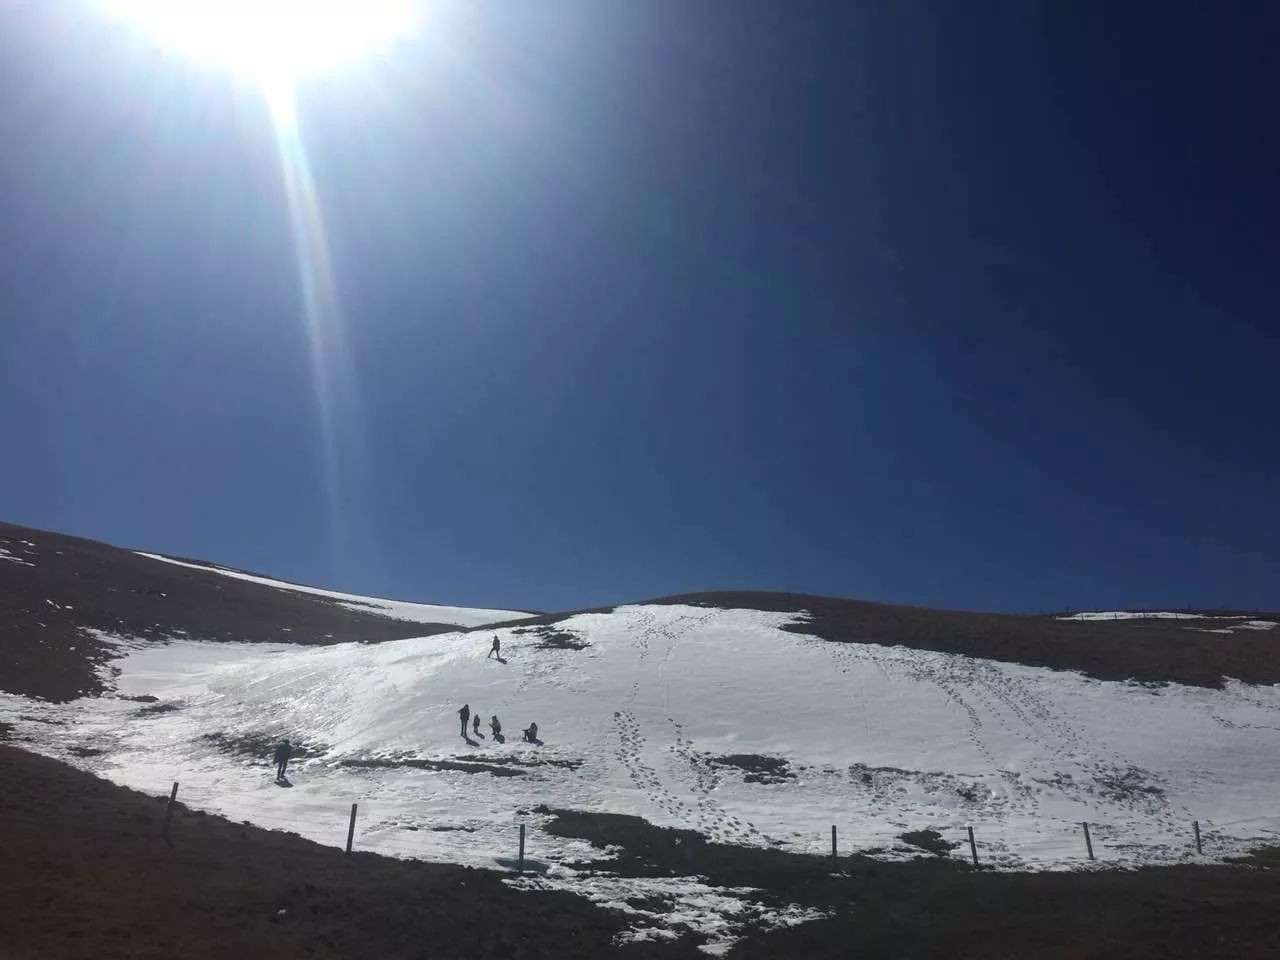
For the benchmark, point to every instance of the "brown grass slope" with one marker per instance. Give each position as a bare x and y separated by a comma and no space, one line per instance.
1153,651
1145,650
79,583
84,874
940,908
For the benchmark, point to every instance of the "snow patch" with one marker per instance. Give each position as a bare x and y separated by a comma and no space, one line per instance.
393,609
1137,615
6,555
717,914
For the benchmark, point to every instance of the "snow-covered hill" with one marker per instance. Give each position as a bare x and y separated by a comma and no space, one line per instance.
711,719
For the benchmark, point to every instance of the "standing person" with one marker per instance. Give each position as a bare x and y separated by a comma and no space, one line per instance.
283,752
496,728
465,715
496,649
475,725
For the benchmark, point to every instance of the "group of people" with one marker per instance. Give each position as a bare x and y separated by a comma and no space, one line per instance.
284,750
529,734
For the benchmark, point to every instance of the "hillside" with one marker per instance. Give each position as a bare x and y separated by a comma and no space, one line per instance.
724,725
89,877
56,591
1198,648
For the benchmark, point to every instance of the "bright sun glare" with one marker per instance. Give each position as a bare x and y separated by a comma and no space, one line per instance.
271,42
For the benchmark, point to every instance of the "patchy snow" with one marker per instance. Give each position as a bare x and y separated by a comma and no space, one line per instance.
877,740
1236,627
6,555
394,609
1246,624
1144,615
717,914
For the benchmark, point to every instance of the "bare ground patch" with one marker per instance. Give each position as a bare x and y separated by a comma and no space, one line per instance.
419,763
756,768
553,638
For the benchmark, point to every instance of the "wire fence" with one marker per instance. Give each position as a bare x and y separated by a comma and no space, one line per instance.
1056,843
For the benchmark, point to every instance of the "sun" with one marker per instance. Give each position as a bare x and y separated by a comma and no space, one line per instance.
271,42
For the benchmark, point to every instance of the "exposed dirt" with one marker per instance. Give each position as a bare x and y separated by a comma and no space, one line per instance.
157,708
66,583
757,769
1265,857
73,583
261,747
84,874
562,763
929,840
553,639
86,871
1148,650
935,907
437,765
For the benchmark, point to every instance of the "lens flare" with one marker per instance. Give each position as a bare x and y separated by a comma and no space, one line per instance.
322,316
273,45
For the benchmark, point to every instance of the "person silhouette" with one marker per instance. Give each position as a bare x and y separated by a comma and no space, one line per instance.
283,752
465,714
496,649
531,734
475,725
496,728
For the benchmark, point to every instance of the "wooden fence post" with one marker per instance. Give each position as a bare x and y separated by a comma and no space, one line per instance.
1088,844
520,862
168,810
1195,825
973,847
351,828
835,857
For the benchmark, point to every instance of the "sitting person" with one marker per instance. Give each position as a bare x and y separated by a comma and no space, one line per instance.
531,734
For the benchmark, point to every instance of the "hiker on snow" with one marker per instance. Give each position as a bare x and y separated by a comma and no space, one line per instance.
475,725
465,715
496,649
283,752
496,728
531,734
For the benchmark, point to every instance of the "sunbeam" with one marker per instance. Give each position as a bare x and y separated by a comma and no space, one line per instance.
273,45
321,313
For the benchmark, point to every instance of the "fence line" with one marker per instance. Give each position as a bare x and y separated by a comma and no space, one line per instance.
1199,834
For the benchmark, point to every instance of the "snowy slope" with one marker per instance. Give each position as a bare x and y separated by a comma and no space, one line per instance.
875,739
394,609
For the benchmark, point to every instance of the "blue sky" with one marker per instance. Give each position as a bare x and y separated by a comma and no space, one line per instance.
967,305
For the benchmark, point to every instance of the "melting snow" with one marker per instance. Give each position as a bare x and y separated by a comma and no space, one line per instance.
876,740
1143,615
716,913
6,555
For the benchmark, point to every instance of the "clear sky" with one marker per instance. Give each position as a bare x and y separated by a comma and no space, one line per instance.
959,304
